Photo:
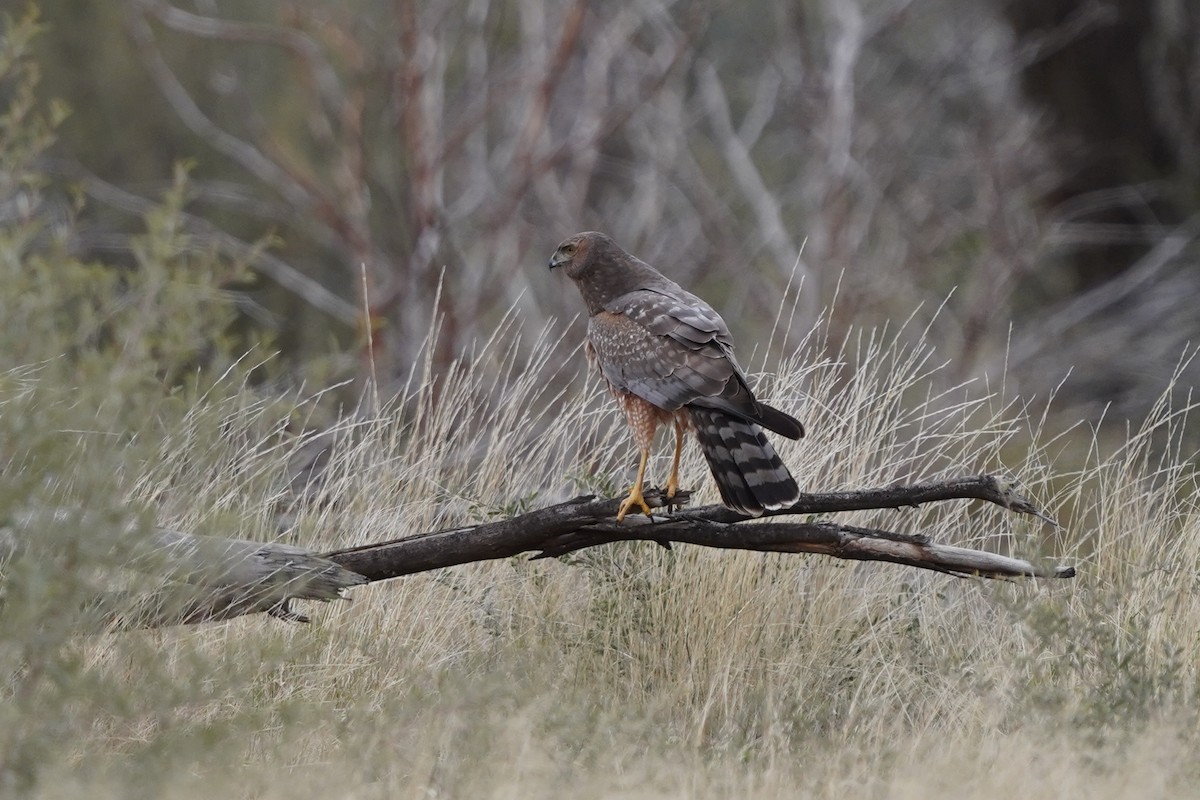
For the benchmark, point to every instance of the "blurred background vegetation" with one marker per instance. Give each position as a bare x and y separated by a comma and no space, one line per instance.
1022,175
1010,188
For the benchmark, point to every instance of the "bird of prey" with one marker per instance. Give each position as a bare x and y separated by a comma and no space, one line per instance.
667,356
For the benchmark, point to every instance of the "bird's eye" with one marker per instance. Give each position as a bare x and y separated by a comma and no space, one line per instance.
568,249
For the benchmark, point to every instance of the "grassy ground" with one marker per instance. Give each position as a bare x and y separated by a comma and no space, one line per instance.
625,671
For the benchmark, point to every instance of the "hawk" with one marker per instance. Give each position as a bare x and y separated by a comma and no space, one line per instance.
667,356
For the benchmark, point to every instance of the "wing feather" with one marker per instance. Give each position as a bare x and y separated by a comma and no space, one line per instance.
672,350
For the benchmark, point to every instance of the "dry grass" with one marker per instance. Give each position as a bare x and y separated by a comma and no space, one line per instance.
630,671
625,671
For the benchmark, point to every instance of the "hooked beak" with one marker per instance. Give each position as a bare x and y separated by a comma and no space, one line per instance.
557,260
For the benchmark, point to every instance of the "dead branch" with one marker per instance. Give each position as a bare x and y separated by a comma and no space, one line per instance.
229,578
587,522
205,578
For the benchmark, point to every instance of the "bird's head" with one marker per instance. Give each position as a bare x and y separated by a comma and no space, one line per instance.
577,253
601,269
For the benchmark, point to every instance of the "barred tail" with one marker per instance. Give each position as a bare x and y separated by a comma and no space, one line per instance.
749,473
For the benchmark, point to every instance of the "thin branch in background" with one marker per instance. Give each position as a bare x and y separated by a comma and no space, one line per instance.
370,334
848,34
749,180
324,77
535,119
240,151
1086,305
278,270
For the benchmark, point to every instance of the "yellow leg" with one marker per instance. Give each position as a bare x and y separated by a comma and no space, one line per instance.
673,481
635,494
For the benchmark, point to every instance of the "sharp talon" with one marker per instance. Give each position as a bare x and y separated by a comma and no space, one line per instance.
634,499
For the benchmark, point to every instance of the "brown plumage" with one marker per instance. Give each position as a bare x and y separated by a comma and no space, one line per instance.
668,356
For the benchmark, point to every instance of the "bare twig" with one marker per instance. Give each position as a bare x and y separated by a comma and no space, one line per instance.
278,270
321,72
241,151
747,177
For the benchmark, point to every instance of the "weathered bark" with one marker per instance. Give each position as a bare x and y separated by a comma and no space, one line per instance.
229,578
206,578
587,522
226,578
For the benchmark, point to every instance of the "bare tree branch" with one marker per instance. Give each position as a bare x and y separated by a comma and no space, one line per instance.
1080,307
221,579
587,521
